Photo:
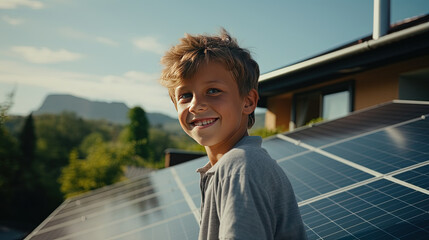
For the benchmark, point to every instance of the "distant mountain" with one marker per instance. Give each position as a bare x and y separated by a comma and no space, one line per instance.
114,112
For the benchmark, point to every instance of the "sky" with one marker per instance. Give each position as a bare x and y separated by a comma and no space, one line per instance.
110,50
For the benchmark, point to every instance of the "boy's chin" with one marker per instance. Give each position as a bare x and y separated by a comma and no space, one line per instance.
202,142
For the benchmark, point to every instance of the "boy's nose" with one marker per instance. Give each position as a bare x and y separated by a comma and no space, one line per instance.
197,105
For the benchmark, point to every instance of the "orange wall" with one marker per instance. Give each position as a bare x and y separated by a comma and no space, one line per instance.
278,112
382,84
376,88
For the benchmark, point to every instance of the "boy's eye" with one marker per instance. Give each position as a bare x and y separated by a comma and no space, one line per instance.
185,95
213,90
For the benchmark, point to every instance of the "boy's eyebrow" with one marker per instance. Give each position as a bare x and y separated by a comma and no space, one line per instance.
178,88
215,81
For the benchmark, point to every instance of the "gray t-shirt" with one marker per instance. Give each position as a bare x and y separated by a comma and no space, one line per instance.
246,195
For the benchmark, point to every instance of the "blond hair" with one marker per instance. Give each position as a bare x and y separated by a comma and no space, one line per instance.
182,61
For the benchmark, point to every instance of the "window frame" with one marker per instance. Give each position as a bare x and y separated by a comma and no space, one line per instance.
348,85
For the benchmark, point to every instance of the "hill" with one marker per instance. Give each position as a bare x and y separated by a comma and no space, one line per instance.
114,112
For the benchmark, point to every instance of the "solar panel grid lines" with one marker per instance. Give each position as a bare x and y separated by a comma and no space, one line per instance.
390,176
98,213
119,190
416,176
410,168
313,174
106,191
41,225
414,102
292,156
116,201
188,198
366,212
358,121
335,157
406,184
105,229
389,149
82,215
102,203
337,191
278,148
366,133
190,231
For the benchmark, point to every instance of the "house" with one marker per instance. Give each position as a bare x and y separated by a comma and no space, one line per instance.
176,156
358,75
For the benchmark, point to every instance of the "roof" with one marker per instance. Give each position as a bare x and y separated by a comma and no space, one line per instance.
404,41
366,178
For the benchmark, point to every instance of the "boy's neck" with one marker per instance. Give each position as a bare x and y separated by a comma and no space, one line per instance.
216,152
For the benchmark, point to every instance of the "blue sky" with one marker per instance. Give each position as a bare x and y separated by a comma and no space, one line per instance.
109,50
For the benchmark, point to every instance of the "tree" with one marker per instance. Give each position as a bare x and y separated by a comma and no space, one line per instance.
139,131
5,106
27,140
8,170
103,166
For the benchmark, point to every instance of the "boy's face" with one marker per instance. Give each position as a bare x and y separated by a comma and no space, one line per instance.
210,108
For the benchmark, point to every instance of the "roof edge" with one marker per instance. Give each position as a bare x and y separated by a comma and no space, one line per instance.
354,49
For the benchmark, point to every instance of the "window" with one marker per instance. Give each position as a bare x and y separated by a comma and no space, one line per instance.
336,105
327,103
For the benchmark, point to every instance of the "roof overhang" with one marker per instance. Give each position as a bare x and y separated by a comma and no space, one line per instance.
408,43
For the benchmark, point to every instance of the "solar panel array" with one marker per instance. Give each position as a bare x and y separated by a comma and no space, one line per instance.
364,176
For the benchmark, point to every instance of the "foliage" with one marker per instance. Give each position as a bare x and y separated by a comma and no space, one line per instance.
88,143
27,140
9,154
158,141
139,131
265,132
5,106
314,121
102,167
101,162
57,136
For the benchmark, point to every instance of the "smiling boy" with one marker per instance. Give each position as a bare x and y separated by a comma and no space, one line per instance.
245,194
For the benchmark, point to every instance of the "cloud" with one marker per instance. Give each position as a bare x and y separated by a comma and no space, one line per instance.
133,77
72,33
134,88
12,21
149,44
45,55
11,4
106,41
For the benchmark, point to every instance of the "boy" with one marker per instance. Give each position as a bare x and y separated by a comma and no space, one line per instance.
245,194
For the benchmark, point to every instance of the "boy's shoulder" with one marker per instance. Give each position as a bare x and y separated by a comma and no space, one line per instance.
246,157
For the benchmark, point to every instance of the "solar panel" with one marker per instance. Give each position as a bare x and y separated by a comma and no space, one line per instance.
364,176
378,210
179,228
418,177
312,174
360,122
388,150
279,149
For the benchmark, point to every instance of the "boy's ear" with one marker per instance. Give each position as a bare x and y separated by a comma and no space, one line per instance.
251,101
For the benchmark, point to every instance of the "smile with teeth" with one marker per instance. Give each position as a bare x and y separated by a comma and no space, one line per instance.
204,122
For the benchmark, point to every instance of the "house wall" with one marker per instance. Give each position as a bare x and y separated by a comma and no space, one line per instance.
382,84
372,87
278,113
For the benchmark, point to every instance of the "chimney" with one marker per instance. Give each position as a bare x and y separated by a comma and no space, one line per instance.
381,22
